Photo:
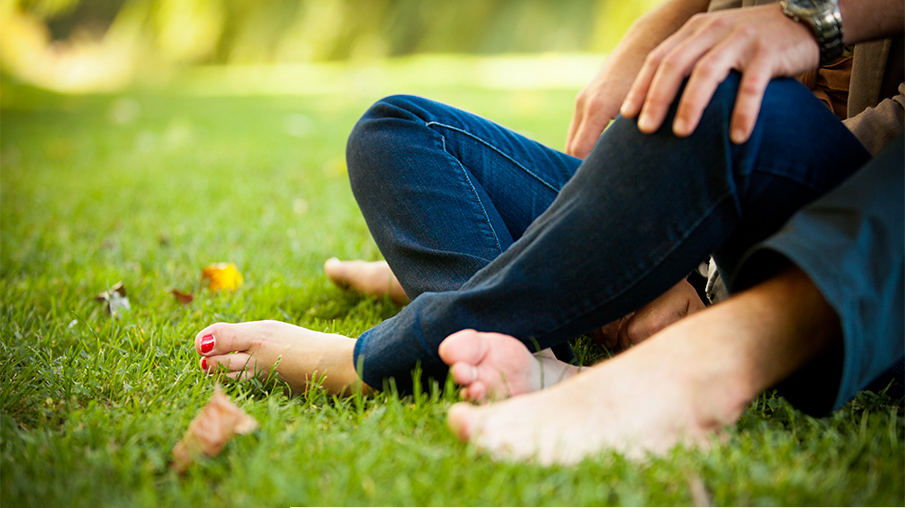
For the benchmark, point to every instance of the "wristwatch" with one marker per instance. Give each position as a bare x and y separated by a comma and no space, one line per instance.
824,19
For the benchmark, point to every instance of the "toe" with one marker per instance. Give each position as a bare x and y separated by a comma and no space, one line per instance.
232,363
460,419
464,373
475,392
335,271
466,346
222,338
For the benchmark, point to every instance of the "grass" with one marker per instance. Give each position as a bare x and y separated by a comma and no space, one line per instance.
150,185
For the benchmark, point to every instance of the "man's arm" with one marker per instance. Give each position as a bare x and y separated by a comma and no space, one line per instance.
599,101
760,42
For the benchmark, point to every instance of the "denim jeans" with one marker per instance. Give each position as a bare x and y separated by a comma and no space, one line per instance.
488,230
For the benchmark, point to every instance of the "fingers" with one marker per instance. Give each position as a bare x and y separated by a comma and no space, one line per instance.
759,42
666,68
637,96
587,125
747,104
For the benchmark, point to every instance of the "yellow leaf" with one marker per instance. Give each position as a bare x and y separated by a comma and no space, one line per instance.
221,276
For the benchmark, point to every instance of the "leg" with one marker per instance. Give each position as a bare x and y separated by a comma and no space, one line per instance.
444,191
639,214
682,385
698,375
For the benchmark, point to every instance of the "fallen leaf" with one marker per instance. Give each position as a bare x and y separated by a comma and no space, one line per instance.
115,299
221,276
218,421
183,298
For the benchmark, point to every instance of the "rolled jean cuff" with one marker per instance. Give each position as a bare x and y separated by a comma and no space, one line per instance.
850,244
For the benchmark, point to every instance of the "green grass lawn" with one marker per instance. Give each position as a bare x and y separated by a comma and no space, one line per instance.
148,186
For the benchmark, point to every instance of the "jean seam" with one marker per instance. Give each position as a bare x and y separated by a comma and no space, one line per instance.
495,149
477,196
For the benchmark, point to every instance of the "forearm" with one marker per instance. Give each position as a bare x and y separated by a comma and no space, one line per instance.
864,20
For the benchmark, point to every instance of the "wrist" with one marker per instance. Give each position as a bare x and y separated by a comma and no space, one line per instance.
823,19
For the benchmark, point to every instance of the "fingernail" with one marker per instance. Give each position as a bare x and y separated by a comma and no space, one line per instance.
646,123
203,363
627,107
207,343
738,136
680,127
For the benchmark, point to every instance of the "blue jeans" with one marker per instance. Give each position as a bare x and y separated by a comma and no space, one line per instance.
488,230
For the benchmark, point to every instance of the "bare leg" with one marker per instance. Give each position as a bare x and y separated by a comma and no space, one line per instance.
298,355
373,278
682,385
493,365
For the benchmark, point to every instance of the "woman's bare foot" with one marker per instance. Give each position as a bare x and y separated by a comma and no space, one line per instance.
682,385
492,365
299,355
373,278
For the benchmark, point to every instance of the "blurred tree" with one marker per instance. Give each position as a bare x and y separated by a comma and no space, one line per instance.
271,31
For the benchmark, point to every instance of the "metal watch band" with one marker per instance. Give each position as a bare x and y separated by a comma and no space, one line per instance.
824,19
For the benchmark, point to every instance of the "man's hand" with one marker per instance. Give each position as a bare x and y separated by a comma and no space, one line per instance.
760,42
599,101
680,301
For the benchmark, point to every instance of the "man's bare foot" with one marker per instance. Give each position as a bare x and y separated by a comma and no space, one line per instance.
633,403
373,278
493,365
682,385
299,355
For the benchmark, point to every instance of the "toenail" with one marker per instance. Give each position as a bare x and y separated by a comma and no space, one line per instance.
203,363
207,343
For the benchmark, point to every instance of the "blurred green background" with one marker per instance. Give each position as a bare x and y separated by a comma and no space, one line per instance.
103,45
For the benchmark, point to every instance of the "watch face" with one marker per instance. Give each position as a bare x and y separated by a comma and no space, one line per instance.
808,7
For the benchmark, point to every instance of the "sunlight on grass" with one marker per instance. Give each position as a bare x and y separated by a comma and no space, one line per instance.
245,166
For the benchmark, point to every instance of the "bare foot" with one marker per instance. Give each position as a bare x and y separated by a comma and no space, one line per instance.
373,278
682,385
633,403
299,355
493,365
678,302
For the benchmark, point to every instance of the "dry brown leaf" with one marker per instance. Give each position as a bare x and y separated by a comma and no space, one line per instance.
218,421
115,299
183,298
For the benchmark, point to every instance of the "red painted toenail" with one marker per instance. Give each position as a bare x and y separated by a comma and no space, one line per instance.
207,343
203,363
